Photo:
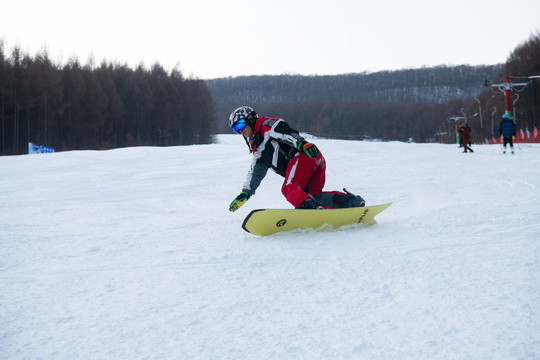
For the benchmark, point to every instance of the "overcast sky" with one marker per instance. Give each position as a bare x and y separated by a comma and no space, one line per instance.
219,38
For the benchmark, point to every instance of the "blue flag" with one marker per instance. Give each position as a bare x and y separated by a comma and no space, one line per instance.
39,149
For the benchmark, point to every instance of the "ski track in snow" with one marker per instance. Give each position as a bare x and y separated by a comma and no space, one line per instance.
133,254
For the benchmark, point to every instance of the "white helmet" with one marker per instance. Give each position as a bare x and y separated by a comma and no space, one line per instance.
243,112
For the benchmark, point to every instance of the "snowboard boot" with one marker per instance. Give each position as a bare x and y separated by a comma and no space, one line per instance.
310,203
354,200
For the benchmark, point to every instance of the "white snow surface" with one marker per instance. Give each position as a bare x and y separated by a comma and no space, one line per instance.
132,254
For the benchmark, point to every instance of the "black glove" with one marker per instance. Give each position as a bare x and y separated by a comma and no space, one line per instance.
308,148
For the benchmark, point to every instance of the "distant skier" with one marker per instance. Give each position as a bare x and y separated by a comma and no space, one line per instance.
276,145
465,133
507,129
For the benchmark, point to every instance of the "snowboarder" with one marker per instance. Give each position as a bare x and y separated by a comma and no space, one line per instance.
465,134
276,145
507,129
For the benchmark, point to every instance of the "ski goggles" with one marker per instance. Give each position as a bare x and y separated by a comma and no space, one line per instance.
239,125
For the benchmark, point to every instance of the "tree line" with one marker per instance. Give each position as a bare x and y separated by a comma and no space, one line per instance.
390,105
73,107
76,106
437,84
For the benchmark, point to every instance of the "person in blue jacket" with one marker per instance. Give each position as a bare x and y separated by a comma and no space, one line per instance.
507,129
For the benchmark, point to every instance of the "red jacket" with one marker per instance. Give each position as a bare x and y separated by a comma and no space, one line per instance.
465,132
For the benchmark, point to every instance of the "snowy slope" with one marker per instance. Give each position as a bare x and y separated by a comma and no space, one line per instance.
133,254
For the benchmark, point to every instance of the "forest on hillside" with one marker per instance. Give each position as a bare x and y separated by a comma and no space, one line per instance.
438,84
73,107
390,105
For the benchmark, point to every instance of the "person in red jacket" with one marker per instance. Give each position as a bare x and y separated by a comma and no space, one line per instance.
277,146
465,134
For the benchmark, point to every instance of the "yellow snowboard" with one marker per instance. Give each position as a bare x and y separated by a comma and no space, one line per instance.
264,222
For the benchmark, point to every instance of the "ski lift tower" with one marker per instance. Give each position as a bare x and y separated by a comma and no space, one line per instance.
506,87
